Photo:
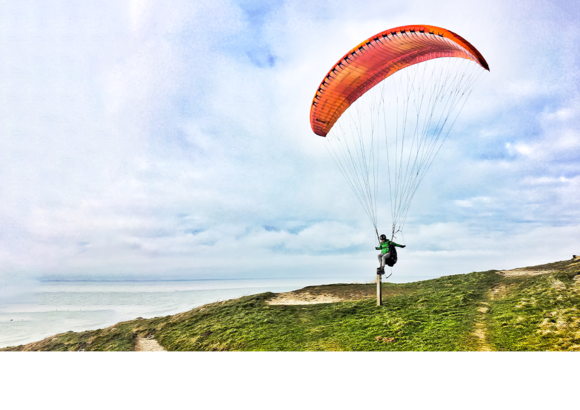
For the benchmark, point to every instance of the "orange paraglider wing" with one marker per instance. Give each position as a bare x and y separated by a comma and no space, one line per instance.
377,58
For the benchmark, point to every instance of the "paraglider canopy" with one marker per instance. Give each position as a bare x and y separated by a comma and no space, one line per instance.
377,58
393,100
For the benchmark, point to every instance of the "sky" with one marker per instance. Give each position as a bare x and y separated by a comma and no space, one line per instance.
171,139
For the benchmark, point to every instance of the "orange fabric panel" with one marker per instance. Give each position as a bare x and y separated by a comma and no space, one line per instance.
377,58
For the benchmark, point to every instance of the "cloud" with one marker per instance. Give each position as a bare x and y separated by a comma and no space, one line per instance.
469,203
161,138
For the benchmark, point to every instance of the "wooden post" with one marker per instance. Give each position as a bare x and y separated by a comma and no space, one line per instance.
379,291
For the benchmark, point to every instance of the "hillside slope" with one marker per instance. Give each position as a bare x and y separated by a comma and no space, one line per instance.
527,309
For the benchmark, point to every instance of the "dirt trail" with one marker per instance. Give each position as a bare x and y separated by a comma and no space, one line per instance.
481,330
148,345
525,272
497,292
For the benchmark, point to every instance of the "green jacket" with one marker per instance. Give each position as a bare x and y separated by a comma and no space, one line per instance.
386,246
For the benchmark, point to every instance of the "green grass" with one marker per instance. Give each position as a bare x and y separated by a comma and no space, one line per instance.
529,313
539,313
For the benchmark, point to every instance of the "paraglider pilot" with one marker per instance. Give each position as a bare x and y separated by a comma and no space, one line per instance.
388,255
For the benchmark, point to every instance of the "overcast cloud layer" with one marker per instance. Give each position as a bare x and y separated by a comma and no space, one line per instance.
172,139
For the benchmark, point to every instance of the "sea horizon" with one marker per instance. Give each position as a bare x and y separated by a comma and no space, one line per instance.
48,306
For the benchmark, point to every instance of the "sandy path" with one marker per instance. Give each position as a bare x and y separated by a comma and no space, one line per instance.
481,330
524,272
148,345
302,298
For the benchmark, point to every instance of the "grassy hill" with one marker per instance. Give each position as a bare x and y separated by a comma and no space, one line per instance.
528,309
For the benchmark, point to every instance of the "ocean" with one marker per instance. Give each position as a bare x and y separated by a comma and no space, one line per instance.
46,308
